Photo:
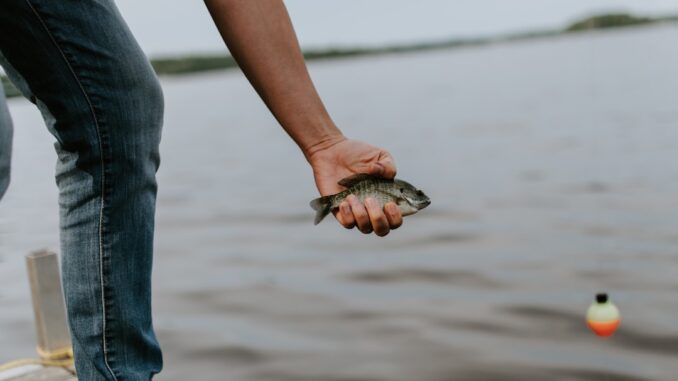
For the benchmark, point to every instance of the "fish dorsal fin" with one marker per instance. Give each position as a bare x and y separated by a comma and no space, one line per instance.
355,179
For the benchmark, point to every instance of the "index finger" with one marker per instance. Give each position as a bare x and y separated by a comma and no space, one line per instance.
393,214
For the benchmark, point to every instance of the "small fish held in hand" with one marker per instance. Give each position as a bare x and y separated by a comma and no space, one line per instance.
405,195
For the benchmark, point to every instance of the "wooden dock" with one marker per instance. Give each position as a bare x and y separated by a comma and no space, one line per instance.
54,345
37,373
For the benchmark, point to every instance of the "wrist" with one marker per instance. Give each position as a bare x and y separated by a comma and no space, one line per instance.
322,143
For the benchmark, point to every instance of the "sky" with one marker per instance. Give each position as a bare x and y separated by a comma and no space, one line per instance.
175,27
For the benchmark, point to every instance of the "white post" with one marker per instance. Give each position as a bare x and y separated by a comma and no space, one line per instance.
48,303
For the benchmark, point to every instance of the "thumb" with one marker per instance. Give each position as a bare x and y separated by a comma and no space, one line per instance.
384,167
376,169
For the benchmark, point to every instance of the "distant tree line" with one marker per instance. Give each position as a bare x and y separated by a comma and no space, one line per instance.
609,21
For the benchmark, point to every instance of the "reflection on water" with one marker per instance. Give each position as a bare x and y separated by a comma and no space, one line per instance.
552,166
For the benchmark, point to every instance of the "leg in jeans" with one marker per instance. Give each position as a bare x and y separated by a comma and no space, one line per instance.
5,143
77,60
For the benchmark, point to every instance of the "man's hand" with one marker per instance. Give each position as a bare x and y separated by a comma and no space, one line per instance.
348,157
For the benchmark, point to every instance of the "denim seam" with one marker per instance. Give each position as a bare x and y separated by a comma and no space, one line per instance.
103,182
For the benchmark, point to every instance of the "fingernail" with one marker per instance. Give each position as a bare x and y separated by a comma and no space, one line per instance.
370,202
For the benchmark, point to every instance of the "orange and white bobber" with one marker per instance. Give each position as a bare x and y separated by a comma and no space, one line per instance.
603,316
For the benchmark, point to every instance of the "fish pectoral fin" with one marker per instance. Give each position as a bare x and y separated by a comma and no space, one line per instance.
355,179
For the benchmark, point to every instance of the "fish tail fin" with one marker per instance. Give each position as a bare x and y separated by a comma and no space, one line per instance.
322,206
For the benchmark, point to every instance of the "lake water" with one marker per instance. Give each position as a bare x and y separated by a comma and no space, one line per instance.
553,172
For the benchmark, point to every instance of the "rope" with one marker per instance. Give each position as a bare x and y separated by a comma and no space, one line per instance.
60,358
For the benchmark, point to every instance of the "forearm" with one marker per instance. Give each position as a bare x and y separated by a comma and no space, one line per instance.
260,36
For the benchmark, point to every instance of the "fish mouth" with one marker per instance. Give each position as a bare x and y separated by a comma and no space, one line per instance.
418,204
423,204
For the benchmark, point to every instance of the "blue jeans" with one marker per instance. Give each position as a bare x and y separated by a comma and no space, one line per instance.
79,63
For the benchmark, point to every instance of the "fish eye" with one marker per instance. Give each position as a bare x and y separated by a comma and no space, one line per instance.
402,190
420,193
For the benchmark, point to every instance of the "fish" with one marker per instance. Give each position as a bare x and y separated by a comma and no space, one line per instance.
409,199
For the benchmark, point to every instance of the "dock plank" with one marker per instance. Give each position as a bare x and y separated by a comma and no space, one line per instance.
46,374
